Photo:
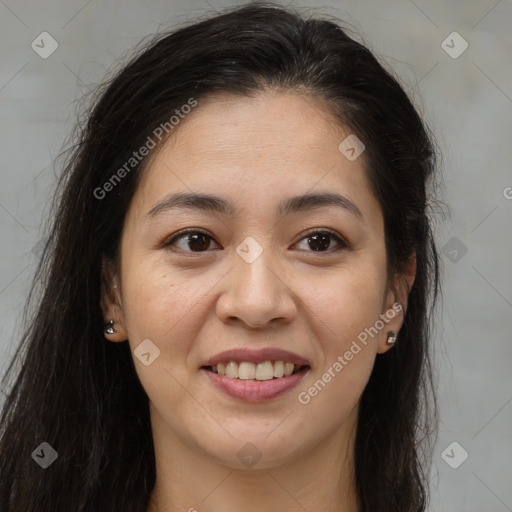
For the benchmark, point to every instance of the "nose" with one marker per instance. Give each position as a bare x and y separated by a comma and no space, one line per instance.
256,294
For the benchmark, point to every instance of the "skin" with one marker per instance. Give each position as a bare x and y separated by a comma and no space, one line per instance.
254,152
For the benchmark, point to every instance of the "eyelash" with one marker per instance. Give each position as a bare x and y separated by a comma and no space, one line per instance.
181,234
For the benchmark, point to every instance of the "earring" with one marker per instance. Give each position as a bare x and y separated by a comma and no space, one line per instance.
109,327
391,337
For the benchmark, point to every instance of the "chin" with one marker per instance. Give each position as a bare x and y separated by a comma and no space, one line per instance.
255,449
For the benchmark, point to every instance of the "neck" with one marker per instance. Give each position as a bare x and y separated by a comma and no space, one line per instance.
321,478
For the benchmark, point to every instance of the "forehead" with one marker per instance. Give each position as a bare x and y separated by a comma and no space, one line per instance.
273,144
282,125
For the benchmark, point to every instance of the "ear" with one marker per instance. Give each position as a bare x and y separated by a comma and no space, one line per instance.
111,304
395,305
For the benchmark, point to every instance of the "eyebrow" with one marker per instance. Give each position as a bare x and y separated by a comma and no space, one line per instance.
211,203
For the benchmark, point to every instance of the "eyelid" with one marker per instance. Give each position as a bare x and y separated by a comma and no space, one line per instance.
331,232
170,240
342,242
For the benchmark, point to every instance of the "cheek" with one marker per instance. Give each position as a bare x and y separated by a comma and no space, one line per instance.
147,298
347,301
162,305
346,306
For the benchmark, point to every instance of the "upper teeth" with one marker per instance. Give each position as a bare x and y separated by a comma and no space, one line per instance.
260,371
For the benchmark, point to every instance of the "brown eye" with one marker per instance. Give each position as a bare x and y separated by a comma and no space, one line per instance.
320,241
194,241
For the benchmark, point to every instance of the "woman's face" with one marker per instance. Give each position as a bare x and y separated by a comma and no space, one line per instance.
258,278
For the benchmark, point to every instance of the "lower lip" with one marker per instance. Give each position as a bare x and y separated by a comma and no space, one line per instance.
255,390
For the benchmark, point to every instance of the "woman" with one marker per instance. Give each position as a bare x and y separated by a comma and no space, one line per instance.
236,289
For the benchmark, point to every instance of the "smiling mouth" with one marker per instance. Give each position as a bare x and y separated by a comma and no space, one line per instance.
268,370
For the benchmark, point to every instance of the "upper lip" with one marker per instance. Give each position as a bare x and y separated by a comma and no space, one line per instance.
256,356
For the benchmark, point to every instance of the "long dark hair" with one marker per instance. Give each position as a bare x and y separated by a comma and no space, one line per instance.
81,394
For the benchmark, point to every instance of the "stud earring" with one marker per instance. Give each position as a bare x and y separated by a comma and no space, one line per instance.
391,337
109,327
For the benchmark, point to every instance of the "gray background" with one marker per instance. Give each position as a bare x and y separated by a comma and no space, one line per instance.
466,100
